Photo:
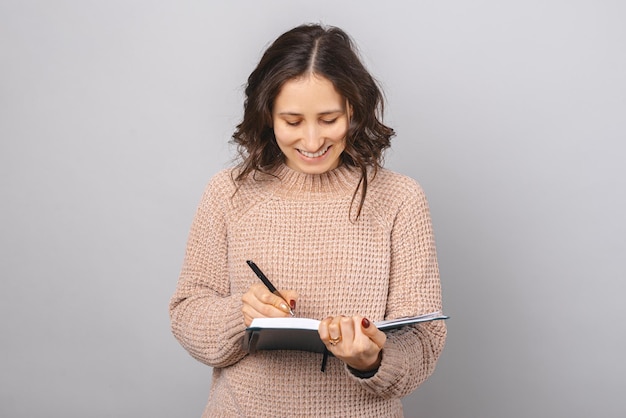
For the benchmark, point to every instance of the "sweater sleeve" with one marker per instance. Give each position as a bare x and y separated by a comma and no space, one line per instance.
205,317
411,353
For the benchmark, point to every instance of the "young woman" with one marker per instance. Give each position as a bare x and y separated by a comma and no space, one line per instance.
343,239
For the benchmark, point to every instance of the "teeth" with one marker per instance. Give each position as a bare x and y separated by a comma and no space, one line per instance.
314,155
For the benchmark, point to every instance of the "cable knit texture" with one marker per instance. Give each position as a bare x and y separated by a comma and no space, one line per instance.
300,230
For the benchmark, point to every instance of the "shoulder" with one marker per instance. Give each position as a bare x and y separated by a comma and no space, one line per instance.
222,183
232,194
391,186
391,194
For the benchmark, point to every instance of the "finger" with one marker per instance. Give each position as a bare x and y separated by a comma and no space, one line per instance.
260,299
323,329
334,329
291,297
369,329
256,293
280,304
346,325
249,314
268,298
252,298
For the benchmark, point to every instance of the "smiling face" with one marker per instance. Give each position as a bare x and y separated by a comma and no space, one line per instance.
310,123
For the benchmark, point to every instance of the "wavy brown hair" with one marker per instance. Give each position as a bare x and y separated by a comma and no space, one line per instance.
324,51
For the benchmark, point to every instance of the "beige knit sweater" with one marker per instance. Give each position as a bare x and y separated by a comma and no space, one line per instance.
296,227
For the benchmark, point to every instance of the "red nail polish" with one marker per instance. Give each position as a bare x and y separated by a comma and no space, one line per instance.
365,323
292,304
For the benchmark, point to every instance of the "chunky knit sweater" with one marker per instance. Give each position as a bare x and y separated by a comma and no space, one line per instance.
301,231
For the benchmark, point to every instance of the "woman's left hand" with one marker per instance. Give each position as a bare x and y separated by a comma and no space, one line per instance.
354,340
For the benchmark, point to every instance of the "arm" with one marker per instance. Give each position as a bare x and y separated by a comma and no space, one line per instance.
206,318
410,354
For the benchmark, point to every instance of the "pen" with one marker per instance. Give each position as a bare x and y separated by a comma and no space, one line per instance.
267,283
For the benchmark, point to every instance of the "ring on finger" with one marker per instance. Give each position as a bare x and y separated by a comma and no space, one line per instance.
334,341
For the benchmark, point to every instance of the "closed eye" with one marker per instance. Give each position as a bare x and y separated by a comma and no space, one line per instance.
292,123
329,121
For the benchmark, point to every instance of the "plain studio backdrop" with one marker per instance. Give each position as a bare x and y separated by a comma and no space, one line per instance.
115,114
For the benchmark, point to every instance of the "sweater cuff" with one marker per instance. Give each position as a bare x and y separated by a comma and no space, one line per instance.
362,375
389,375
232,320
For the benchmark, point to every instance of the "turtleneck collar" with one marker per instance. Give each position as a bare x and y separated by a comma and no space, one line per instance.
292,184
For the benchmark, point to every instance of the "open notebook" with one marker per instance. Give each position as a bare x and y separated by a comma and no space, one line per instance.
301,333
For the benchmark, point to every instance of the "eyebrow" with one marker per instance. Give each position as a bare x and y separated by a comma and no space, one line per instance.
328,112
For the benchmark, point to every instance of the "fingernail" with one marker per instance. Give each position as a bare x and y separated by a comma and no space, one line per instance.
292,303
365,323
284,307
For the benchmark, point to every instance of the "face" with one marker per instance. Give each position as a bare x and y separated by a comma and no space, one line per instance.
310,124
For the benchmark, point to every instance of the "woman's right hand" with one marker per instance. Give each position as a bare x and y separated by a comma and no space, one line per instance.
259,302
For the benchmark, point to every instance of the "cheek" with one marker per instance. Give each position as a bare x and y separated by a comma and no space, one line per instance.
282,136
337,133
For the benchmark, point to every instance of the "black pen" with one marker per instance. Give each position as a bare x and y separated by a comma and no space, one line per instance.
267,283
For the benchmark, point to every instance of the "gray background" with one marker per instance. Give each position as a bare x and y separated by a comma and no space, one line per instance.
512,115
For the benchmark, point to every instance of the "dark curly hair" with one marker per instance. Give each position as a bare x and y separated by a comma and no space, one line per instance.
325,51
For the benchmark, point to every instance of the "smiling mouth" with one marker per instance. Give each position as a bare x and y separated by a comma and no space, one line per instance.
314,154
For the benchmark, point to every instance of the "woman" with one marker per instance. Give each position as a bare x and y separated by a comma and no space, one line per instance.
343,239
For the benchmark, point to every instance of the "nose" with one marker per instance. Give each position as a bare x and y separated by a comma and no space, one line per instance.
313,137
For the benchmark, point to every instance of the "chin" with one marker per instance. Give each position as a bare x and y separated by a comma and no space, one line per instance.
315,168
